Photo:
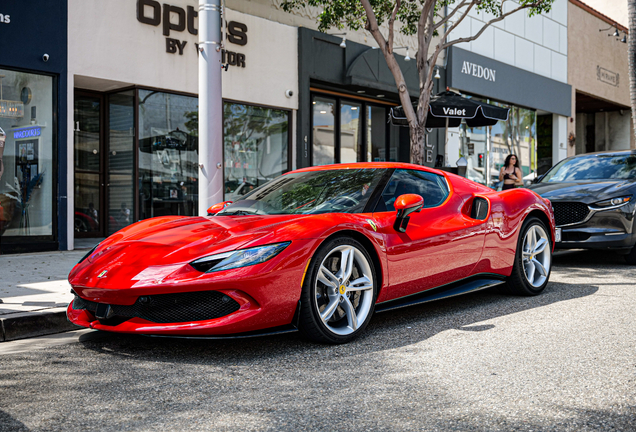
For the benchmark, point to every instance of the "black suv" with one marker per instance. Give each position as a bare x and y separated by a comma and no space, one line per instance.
594,199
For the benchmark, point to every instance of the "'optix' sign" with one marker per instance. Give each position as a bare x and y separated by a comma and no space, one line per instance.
27,133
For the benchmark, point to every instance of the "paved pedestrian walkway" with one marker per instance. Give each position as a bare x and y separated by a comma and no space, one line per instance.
34,293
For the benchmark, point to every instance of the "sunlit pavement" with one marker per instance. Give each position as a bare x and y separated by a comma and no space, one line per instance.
34,293
564,360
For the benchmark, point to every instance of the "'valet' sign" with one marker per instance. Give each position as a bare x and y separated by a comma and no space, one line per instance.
176,19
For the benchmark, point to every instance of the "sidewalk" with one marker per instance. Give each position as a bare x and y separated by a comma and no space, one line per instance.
34,293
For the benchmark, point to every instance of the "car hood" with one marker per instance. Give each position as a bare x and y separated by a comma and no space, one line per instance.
587,192
171,242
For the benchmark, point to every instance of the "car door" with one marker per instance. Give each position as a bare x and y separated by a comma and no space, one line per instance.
440,245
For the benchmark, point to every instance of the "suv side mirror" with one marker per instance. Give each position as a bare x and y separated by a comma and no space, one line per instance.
538,179
405,205
218,207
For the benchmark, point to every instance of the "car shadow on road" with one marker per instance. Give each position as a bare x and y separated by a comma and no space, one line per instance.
386,331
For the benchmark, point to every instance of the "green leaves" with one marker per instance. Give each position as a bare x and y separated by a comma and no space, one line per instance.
340,14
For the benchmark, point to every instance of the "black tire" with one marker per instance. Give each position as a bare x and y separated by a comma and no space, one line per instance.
316,295
518,283
630,258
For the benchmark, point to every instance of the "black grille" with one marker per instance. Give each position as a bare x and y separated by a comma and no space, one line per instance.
566,213
170,308
574,236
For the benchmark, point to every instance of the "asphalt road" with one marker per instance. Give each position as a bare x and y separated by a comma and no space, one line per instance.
565,360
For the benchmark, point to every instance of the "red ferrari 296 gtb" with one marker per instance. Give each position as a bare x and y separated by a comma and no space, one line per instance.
319,250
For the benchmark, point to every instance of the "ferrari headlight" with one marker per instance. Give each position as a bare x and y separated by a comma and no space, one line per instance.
238,258
614,202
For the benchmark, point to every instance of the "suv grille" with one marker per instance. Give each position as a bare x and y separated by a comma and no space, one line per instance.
566,213
169,308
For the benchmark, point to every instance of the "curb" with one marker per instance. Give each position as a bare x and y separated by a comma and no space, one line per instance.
32,324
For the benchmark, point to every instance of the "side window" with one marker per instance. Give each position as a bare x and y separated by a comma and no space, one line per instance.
431,187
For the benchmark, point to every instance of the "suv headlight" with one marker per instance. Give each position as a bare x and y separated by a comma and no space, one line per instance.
613,202
238,258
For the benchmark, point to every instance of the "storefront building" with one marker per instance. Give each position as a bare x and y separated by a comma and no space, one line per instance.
519,63
133,68
104,133
350,90
599,74
33,75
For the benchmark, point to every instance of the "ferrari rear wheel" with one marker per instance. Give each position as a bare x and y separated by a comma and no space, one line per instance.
533,261
339,292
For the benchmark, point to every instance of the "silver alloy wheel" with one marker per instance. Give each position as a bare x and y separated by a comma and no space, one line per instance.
344,290
536,256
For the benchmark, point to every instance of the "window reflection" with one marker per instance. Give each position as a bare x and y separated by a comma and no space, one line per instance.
168,159
27,180
350,133
323,131
486,148
255,147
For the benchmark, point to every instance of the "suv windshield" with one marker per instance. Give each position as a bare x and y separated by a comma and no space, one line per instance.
593,167
311,192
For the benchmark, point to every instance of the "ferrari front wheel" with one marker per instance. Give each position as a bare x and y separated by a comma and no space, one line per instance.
339,292
533,260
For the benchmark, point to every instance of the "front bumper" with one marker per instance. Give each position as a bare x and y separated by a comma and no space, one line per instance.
602,229
191,303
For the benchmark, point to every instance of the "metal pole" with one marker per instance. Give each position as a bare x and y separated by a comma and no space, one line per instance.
210,106
488,150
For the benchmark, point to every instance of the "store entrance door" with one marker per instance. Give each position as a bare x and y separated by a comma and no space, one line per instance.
89,149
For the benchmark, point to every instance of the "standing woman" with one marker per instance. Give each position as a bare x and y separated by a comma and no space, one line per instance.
510,173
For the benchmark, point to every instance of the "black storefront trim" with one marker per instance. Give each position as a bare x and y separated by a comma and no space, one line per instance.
508,83
324,67
33,32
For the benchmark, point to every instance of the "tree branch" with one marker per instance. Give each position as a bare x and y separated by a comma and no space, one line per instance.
391,61
391,23
450,15
488,24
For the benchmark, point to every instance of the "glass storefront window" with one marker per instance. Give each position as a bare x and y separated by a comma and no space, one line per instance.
376,134
350,132
256,141
26,154
168,158
324,142
486,148
121,165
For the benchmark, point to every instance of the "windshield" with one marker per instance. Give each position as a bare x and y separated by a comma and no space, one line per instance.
311,192
593,167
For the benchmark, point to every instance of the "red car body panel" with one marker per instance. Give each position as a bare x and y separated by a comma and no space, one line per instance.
442,244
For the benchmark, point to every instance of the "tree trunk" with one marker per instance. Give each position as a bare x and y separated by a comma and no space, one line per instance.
417,140
631,53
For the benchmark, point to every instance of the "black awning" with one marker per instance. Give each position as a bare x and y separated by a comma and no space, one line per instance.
454,107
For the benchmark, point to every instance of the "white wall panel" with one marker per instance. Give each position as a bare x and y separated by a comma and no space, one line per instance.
515,23
563,40
560,11
504,47
551,34
484,44
524,54
461,31
542,61
559,67
534,29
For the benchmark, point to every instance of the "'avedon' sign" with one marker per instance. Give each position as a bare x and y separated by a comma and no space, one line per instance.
478,71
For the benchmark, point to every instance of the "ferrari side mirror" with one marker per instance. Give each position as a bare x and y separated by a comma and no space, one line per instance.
218,207
405,205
